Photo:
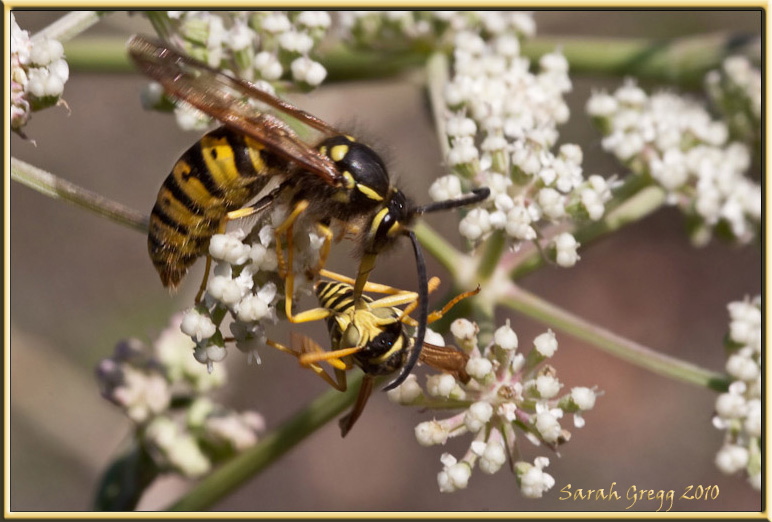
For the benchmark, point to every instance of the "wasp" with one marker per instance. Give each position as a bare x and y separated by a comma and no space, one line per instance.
372,336
326,176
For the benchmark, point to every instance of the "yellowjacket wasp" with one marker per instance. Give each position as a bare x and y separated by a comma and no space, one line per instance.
328,177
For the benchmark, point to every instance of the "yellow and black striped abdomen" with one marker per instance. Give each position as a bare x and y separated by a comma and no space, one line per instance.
222,172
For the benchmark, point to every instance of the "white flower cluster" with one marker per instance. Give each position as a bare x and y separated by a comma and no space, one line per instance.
397,30
246,286
38,74
501,125
738,411
259,46
151,383
509,393
735,90
676,142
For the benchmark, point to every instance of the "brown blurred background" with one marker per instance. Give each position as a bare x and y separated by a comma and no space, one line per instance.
79,284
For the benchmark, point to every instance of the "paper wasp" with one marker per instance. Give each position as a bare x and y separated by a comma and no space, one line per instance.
372,336
327,176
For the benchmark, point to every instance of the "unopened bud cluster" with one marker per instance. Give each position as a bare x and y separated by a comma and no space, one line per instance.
263,47
245,287
675,142
38,74
738,411
402,30
160,388
511,397
501,128
735,89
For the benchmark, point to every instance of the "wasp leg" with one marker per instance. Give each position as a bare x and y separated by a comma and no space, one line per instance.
325,250
376,288
286,228
347,421
309,346
437,314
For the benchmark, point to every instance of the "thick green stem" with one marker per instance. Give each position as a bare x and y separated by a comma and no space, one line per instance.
519,299
683,61
233,474
70,25
57,188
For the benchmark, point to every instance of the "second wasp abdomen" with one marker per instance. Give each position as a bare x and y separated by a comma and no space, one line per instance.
222,172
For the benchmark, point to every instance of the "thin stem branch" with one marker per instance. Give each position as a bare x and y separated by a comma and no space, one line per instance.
57,188
445,253
634,200
70,25
533,306
437,78
234,473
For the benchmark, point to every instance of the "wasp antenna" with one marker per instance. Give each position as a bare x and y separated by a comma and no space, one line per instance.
477,195
423,314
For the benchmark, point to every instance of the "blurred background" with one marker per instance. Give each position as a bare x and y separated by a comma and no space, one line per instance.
79,284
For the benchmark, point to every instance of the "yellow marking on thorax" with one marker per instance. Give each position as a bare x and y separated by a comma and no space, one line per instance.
338,152
370,193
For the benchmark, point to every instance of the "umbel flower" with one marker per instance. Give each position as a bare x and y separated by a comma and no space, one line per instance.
738,411
38,74
675,142
511,397
500,124
161,389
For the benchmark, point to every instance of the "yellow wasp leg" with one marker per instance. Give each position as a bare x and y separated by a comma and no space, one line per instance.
309,358
377,288
347,421
230,216
325,251
437,314
366,265
281,230
339,382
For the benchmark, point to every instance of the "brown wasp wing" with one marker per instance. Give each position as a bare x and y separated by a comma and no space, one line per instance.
446,358
229,100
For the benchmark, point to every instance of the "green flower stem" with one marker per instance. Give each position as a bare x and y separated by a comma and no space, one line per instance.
683,61
437,74
523,301
634,200
57,188
447,255
70,25
237,471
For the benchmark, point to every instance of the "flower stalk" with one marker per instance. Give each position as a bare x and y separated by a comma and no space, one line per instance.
58,188
531,305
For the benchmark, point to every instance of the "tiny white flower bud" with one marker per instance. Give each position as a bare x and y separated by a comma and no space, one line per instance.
407,392
479,368
547,386
546,423
197,326
565,247
478,415
546,344
505,337
583,397
430,433
440,385
445,187
731,458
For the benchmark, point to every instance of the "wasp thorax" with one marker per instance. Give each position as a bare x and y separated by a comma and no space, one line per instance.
364,173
